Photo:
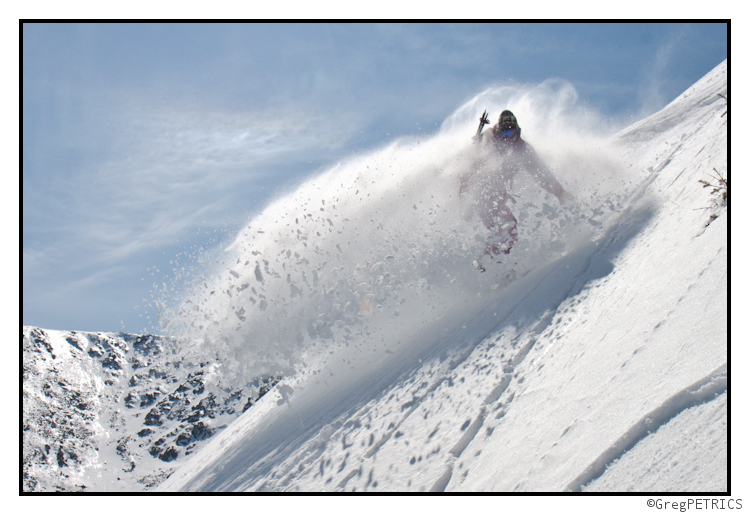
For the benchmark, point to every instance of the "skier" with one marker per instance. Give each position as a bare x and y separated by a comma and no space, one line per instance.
503,153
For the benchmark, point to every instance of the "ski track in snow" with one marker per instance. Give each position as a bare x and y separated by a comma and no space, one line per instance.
700,392
656,463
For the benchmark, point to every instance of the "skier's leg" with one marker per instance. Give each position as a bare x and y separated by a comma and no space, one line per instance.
502,226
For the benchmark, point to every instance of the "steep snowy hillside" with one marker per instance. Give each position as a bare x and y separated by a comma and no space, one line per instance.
594,358
406,372
108,412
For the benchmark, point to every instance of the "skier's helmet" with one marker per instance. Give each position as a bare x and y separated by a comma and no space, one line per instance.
508,126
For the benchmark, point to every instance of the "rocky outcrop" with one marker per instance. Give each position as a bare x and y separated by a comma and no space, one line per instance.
117,411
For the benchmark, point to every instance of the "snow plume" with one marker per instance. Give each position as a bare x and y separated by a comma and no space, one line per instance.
357,259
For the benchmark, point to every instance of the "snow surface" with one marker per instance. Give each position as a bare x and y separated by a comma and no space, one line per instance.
594,358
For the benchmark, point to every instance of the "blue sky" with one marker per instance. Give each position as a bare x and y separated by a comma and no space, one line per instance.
145,142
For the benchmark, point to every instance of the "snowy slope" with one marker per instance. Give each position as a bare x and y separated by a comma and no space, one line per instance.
406,370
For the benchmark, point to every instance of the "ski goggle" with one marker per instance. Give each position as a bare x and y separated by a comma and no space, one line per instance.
508,132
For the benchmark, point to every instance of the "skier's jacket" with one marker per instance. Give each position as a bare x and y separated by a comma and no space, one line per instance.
515,155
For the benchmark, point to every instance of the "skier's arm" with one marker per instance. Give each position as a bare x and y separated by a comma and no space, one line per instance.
479,136
543,174
550,183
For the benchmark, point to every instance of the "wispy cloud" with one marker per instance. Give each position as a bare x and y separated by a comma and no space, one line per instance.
651,95
174,170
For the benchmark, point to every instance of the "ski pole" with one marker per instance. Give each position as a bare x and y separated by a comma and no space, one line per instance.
483,120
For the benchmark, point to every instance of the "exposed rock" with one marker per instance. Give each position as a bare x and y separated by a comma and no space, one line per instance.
101,409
